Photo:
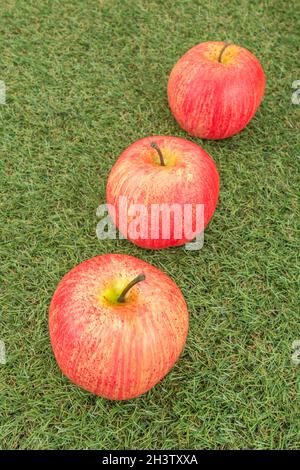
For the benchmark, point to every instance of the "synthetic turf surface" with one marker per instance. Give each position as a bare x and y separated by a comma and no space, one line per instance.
84,79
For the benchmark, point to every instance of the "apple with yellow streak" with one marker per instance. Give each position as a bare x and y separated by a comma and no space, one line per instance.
117,325
163,170
215,89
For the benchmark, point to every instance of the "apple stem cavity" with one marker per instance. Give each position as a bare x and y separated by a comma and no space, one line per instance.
161,157
139,278
226,44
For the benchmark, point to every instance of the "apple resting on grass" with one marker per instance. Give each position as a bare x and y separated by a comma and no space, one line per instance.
117,325
215,89
162,175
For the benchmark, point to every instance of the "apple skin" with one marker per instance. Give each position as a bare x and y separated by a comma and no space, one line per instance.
117,351
189,177
212,99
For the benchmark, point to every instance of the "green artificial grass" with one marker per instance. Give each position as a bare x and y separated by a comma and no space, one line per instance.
84,79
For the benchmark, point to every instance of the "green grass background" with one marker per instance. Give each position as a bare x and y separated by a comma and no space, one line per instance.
85,79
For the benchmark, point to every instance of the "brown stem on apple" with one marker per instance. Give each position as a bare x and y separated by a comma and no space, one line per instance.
139,278
226,44
161,157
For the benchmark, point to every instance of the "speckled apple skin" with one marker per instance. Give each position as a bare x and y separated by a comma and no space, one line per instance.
211,99
193,179
117,351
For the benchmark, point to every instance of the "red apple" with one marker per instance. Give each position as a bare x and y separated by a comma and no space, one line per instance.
117,325
165,176
215,89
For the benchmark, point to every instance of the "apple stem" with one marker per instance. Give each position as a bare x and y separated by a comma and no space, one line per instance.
161,157
139,278
226,44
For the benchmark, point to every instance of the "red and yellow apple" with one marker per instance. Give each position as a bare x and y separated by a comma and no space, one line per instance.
117,325
162,172
215,89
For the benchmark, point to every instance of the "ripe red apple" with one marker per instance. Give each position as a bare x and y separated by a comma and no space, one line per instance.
117,325
215,89
165,176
